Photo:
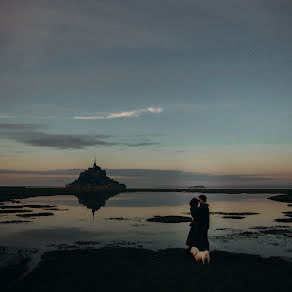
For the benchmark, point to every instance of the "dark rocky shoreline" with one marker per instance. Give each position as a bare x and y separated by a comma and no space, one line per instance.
138,269
286,198
13,193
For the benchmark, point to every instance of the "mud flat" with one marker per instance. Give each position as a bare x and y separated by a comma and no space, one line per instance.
233,217
6,211
288,213
170,219
116,218
138,269
14,221
234,213
284,220
287,198
35,214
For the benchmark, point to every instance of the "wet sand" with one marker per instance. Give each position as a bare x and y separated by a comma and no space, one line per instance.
139,269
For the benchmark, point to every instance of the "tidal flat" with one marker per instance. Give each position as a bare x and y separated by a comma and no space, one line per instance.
97,224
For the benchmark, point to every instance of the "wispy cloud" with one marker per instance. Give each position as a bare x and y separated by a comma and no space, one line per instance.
7,117
8,127
33,135
155,110
125,114
28,117
141,144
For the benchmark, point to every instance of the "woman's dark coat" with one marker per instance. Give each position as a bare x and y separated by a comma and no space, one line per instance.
193,237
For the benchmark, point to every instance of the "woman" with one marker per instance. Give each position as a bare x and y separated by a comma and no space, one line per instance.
203,223
193,237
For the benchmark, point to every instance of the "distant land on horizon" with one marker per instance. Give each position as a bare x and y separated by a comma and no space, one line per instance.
288,187
141,178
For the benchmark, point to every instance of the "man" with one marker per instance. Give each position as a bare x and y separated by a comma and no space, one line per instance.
203,220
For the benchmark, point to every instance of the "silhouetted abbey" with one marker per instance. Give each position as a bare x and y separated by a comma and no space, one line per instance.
95,177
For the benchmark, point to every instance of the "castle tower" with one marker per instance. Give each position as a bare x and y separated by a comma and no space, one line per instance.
94,164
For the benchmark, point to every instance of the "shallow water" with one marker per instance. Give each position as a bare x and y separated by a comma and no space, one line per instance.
85,222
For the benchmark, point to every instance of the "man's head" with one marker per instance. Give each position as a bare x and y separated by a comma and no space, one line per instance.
202,199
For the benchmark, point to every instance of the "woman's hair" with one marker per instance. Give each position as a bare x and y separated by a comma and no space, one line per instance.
194,202
203,197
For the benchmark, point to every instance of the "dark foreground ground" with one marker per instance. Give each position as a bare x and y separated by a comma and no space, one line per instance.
138,269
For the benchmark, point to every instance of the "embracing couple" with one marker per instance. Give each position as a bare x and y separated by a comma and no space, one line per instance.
198,235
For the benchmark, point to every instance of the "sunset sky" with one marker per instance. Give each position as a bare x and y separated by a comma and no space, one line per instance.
164,93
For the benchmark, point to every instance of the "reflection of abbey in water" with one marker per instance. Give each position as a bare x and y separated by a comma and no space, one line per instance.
94,187
95,178
94,200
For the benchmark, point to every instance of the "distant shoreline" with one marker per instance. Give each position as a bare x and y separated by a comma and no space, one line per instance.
10,193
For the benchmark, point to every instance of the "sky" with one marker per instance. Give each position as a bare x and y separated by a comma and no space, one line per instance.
163,93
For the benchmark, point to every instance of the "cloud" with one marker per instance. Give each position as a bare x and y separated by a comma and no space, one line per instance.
129,114
155,110
126,114
7,127
142,144
7,117
42,172
32,135
88,118
60,141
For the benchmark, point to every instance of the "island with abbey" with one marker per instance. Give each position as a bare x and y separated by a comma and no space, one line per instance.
95,177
